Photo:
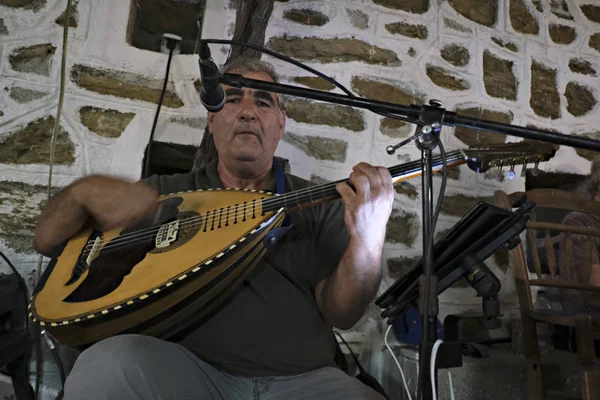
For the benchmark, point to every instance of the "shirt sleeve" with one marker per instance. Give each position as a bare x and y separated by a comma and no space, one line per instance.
332,238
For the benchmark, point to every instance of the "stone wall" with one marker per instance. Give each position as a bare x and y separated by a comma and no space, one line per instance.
518,61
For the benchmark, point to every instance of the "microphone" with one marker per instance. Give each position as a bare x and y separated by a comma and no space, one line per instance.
212,95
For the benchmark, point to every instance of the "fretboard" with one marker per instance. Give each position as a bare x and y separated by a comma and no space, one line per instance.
314,195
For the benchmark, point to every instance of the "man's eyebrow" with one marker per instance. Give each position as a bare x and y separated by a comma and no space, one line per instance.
261,94
233,92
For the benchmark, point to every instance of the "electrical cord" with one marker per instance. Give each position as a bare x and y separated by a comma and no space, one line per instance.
61,97
434,351
385,340
171,44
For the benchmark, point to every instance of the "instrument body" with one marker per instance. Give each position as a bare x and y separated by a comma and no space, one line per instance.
158,278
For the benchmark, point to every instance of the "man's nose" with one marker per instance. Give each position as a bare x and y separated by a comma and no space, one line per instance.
248,110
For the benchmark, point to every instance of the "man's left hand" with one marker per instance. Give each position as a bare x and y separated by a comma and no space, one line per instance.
368,207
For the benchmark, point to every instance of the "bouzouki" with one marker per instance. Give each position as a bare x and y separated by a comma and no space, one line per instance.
158,278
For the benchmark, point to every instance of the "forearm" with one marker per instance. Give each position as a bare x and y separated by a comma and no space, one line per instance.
346,294
62,218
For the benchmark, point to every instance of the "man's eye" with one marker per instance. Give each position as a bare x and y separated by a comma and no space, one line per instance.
233,100
263,103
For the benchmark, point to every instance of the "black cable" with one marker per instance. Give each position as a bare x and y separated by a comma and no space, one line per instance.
360,367
424,362
23,287
311,70
160,101
61,369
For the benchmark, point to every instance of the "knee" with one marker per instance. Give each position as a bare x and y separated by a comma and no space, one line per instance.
119,350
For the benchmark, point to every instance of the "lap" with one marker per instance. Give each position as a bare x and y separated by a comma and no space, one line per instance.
141,367
322,384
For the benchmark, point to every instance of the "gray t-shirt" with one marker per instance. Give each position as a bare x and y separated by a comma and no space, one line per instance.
273,325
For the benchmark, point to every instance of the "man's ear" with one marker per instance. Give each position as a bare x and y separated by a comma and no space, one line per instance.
211,116
282,117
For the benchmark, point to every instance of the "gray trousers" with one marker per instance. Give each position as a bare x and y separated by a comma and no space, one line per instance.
135,367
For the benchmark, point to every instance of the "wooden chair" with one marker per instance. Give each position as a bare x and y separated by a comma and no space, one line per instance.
586,327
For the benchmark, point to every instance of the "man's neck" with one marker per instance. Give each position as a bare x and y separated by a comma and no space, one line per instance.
257,177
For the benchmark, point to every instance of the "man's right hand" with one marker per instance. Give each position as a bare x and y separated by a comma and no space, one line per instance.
115,203
112,203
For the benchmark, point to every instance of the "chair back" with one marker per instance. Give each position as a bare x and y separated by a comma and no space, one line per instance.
551,245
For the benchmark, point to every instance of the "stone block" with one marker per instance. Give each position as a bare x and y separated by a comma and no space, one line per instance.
458,205
406,189
3,28
498,77
452,24
474,137
544,100
309,112
408,30
383,91
35,59
402,227
580,99
580,66
594,41
398,267
413,6
31,145
456,55
306,16
562,34
506,44
73,17
395,128
106,123
592,12
444,78
314,82
34,5
483,12
521,19
319,147
333,50
560,8
358,18
22,95
123,84
20,207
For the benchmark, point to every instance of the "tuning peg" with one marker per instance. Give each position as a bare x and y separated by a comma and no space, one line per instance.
524,171
536,170
499,176
511,174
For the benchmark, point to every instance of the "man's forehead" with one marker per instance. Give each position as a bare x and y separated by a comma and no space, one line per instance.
259,76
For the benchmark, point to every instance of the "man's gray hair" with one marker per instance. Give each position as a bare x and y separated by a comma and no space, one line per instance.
207,151
246,64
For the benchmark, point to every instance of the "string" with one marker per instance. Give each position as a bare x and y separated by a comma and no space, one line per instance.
249,209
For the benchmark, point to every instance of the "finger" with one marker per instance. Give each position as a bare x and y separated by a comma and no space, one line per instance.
361,183
386,178
345,191
372,174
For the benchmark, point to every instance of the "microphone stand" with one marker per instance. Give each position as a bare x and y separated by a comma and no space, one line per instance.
430,118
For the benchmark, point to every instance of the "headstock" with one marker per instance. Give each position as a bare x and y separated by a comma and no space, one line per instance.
482,158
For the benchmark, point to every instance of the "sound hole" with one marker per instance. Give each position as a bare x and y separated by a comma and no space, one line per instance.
118,257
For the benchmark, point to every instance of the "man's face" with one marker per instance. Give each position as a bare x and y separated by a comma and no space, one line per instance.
250,125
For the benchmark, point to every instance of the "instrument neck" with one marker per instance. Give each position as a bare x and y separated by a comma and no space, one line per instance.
314,195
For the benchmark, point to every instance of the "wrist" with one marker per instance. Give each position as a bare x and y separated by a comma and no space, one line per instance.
369,249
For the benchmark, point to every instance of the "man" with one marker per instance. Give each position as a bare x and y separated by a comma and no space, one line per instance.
273,340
